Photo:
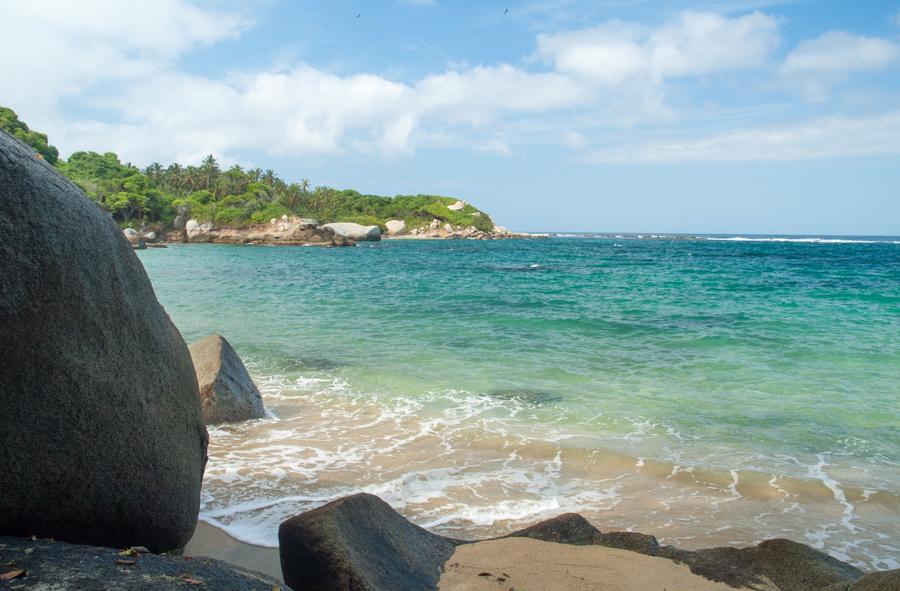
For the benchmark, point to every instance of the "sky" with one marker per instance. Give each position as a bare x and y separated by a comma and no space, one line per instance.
694,116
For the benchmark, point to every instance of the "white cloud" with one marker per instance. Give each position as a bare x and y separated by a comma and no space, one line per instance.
696,43
819,63
831,137
305,109
50,50
123,63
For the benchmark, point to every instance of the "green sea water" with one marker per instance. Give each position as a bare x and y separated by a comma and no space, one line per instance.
706,391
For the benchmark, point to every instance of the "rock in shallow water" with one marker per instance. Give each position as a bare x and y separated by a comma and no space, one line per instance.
102,436
57,566
227,392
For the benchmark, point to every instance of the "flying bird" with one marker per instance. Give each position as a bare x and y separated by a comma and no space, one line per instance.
358,15
506,11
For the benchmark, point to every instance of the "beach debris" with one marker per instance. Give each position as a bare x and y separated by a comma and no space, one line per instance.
191,580
10,575
125,562
485,574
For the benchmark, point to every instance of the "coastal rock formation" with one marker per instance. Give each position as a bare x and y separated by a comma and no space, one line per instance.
227,393
355,231
395,227
286,231
360,543
102,435
883,581
197,232
458,206
178,223
134,239
789,565
46,564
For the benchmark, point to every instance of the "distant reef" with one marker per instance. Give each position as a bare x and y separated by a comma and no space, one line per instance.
163,198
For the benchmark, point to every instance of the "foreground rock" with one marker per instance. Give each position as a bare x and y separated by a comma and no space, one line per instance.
789,565
355,232
103,439
227,392
360,543
58,566
286,230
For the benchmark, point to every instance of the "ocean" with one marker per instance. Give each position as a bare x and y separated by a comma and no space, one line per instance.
710,391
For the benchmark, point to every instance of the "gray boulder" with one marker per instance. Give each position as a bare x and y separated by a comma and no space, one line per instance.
227,392
178,223
102,436
888,580
197,232
791,566
355,232
58,566
359,543
395,227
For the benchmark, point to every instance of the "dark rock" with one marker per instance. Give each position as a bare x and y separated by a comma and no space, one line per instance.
569,528
626,540
789,565
102,436
227,392
70,567
888,580
359,543
572,528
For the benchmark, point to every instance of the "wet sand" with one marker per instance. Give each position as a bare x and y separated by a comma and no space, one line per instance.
212,542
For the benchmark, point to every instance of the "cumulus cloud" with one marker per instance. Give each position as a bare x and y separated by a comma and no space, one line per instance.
696,43
50,50
122,63
830,137
819,63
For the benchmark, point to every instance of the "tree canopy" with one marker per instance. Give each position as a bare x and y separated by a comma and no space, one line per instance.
231,197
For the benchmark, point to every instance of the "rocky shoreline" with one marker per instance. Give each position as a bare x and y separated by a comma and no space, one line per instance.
294,231
105,444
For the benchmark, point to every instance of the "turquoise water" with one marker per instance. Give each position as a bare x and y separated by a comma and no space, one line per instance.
706,391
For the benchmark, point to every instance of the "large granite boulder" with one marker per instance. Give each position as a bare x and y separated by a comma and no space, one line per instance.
789,565
395,227
197,232
355,232
57,566
359,543
227,392
102,435
888,580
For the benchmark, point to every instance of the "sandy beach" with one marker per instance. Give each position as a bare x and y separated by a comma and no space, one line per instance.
524,564
212,542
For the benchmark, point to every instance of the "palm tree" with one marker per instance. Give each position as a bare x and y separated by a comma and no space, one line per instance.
210,170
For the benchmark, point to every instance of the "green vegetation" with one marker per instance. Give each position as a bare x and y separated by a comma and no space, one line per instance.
9,122
233,197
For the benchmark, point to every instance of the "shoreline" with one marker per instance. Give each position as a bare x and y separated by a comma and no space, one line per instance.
214,542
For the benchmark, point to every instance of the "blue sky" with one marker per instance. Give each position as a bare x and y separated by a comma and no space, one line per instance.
732,116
